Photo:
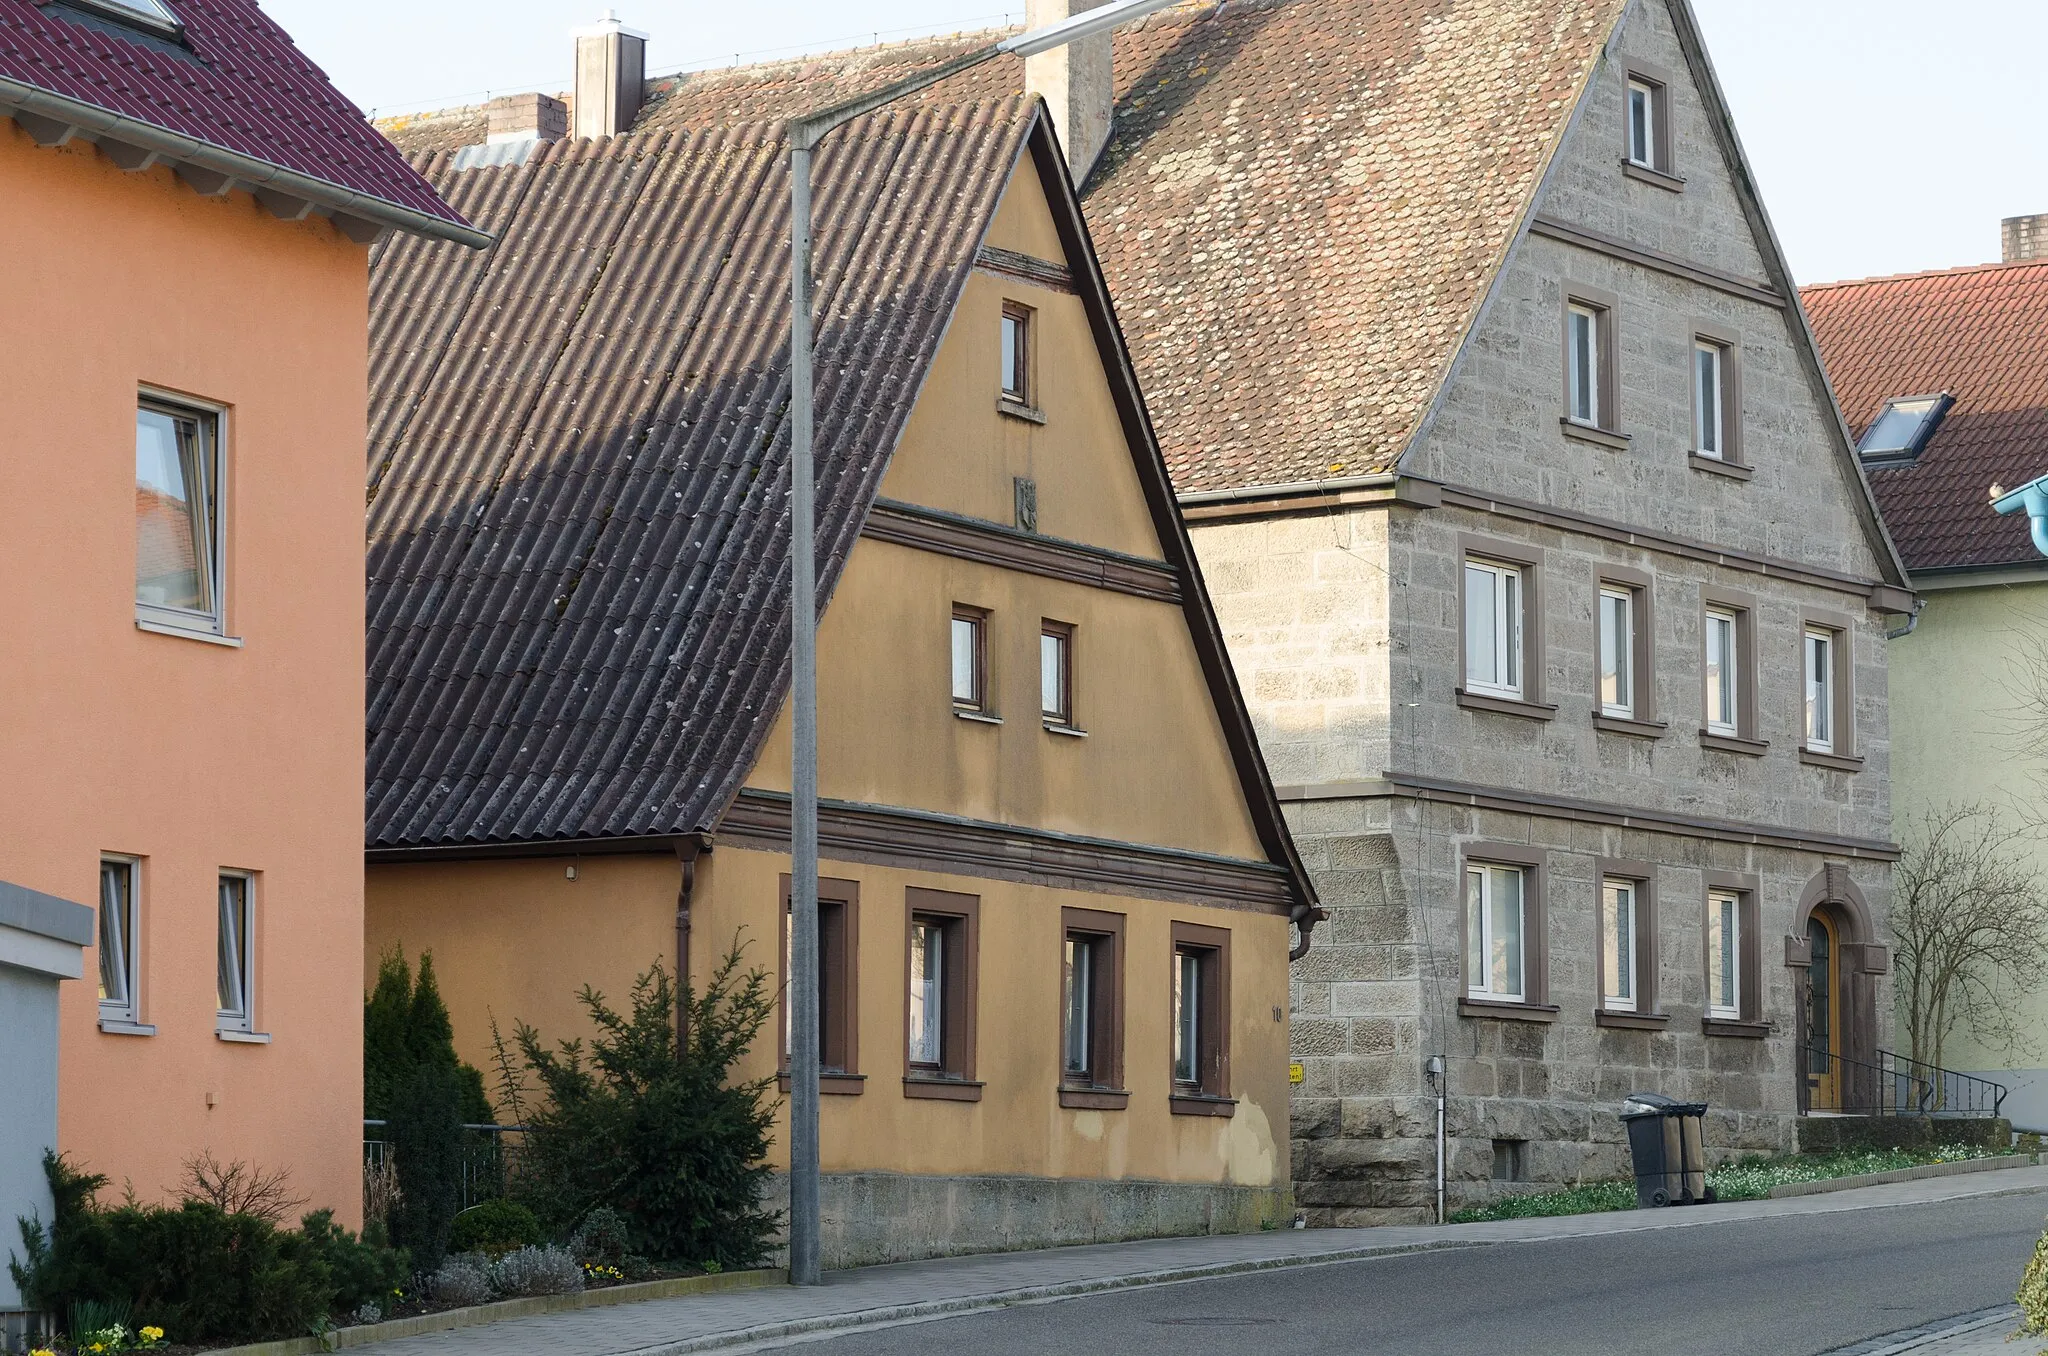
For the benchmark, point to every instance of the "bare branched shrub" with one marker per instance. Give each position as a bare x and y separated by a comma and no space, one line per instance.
1971,923
380,1189
239,1188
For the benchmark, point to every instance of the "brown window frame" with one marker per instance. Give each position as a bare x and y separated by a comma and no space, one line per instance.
1746,738
1209,1095
1606,428
1534,1004
1748,1023
1844,755
838,960
1658,83
1641,588
1104,1090
959,919
1732,461
1064,632
1648,1010
978,617
1535,634
1026,396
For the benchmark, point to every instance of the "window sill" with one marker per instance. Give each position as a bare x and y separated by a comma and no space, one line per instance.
1839,762
1506,706
1507,1012
1600,437
1623,725
1754,748
1017,409
831,1084
978,717
244,1037
1728,1026
1734,470
942,1089
1632,1021
1094,1099
1202,1104
1656,178
1072,732
117,1026
187,633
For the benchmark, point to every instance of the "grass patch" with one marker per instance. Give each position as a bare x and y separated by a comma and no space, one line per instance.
1750,1179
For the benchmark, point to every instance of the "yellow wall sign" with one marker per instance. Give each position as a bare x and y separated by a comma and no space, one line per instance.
1294,1073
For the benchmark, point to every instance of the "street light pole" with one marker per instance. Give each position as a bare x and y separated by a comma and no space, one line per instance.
804,135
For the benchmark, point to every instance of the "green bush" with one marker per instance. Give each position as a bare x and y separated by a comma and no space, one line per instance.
2033,1294
405,1025
494,1227
650,1126
425,1129
193,1270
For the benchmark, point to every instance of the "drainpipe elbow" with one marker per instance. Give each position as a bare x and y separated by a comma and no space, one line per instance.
1913,617
1304,917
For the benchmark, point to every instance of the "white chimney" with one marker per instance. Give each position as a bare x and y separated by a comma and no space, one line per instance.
611,67
1075,83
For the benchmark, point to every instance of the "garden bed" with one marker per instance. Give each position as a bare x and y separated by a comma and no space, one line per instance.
1748,1180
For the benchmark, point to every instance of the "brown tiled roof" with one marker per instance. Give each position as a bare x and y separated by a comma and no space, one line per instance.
578,612
1980,334
1301,208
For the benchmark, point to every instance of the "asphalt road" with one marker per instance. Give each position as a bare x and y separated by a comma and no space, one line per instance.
1793,1286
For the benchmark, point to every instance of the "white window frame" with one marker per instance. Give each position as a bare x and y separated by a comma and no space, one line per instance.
1710,399
1724,953
927,994
1723,621
970,668
179,620
1187,1018
1623,647
1586,363
1481,936
1077,1034
1619,985
1508,626
1644,154
121,1013
1820,688
240,1019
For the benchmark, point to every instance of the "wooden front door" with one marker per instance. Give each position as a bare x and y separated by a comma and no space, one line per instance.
1823,1017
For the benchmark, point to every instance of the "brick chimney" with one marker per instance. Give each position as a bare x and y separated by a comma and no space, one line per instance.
1075,82
526,117
2025,238
611,67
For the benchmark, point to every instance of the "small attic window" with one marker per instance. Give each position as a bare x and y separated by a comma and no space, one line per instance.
1902,428
151,16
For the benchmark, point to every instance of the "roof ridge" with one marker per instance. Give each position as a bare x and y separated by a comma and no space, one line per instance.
1955,271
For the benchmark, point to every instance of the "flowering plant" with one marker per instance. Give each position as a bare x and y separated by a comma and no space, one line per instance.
602,1274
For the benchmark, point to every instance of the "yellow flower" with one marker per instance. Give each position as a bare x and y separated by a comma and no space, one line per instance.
42,1351
152,1334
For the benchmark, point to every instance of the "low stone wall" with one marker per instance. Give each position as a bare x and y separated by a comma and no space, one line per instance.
1832,1134
871,1218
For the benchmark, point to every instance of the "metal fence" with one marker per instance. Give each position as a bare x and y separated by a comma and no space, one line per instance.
1894,1085
487,1156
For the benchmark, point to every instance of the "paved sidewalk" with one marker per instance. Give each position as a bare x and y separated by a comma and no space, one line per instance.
914,1291
1985,1334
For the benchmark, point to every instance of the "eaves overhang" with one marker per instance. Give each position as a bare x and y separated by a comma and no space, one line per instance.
52,119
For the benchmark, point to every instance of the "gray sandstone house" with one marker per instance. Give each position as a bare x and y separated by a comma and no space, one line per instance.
1546,564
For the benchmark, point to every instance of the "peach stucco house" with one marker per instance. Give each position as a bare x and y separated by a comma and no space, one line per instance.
190,212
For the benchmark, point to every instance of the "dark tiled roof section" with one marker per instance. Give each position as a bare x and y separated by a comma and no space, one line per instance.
1300,212
579,616
243,86
1980,334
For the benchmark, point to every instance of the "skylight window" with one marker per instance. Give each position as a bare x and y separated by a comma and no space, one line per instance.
151,16
1903,427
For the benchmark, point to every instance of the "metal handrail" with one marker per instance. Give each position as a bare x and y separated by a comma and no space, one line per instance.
1897,1085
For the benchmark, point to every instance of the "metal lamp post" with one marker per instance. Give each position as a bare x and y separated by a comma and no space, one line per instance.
804,135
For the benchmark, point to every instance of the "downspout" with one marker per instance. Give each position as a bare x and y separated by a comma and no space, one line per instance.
1912,620
2033,497
1305,917
686,854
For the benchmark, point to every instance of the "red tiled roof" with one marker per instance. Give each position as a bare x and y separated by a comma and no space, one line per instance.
242,86
1299,211
1980,334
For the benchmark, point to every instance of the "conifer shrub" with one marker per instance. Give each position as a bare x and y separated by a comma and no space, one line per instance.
651,1126
425,1131
494,1227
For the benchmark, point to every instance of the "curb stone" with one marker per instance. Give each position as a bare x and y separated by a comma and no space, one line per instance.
1924,1170
1932,1335
476,1315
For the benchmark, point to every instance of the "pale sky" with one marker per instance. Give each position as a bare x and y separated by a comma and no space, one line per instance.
1888,136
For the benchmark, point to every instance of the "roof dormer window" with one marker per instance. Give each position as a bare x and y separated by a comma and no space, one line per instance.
1901,430
150,16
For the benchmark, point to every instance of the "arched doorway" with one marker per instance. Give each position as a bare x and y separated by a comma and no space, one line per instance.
1823,1014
